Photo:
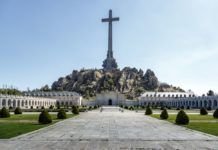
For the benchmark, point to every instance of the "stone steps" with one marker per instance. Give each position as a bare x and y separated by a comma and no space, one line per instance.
110,108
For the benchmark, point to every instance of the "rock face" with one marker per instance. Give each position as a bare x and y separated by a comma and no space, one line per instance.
129,81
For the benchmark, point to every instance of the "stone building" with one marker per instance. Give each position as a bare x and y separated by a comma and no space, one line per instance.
25,102
106,98
63,98
46,99
178,99
110,98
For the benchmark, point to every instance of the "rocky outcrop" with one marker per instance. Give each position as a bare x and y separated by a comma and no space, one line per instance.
129,81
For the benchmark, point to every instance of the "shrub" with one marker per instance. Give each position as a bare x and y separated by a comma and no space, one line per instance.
90,108
182,107
51,107
182,118
42,107
83,109
131,108
164,114
148,111
4,113
162,108
215,114
44,117
61,114
209,108
10,107
188,107
203,111
75,110
126,107
177,108
31,107
95,107
17,111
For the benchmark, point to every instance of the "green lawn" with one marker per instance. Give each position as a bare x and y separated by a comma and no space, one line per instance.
8,129
192,117
20,124
207,127
31,117
201,123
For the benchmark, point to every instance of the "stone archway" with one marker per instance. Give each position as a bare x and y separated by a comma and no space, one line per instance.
110,102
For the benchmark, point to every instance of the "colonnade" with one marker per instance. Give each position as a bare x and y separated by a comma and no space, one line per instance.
25,102
191,102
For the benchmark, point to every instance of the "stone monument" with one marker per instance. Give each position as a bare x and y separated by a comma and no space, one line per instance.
110,63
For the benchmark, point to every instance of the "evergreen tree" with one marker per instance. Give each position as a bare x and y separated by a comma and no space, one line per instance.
164,114
17,111
182,118
61,114
4,113
148,111
44,117
215,114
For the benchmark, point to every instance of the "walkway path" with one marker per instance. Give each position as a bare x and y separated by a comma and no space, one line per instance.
112,130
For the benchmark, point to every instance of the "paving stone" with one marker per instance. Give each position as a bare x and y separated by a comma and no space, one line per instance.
112,130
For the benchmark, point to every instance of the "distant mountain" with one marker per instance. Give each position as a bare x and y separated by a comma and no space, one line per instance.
129,81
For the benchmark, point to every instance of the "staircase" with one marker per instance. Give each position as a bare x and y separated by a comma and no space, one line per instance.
110,109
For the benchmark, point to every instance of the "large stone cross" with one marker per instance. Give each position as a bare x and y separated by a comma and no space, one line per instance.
110,20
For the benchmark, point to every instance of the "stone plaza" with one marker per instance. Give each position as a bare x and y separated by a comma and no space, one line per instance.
114,130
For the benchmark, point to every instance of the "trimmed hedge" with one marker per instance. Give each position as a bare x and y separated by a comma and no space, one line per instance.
203,111
182,118
131,108
17,111
148,111
209,108
83,109
61,114
75,110
162,108
44,117
164,114
125,107
90,108
215,114
4,113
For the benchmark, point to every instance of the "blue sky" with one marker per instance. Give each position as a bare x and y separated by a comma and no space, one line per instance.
43,40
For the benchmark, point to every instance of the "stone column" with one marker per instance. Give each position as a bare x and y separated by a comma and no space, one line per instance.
6,102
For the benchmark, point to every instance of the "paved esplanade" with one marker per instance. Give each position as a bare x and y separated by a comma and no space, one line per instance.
112,130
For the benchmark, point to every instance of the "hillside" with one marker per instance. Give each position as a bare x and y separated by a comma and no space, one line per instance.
129,81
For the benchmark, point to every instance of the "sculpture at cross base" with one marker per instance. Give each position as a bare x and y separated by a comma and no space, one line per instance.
110,63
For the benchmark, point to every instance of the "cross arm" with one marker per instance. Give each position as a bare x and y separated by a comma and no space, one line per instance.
105,20
116,19
110,19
